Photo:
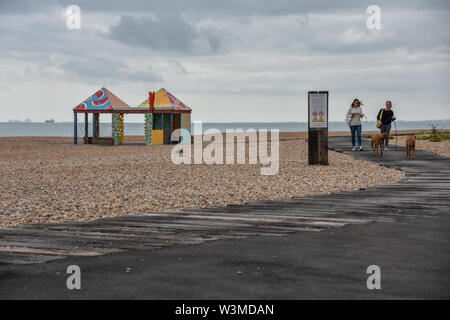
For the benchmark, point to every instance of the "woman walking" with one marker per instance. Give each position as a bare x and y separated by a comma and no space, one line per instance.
355,114
386,116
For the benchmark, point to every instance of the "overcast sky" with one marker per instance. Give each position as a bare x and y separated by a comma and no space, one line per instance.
230,60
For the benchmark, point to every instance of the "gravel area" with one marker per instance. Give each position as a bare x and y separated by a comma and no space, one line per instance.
48,180
442,148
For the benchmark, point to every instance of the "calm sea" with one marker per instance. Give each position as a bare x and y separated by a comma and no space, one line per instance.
65,129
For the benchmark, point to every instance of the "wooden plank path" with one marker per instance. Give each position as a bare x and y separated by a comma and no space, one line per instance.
423,192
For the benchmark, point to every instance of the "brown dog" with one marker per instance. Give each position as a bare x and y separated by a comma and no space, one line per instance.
411,147
377,142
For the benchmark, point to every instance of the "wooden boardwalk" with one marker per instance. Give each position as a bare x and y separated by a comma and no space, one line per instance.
424,191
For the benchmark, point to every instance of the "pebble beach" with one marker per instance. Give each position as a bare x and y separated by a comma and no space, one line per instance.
49,180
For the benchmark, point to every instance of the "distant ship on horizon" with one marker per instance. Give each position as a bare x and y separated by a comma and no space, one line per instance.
15,120
50,121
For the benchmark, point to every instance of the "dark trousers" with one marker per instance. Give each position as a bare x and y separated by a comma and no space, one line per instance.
386,128
356,130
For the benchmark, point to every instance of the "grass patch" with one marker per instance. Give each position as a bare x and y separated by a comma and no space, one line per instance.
435,135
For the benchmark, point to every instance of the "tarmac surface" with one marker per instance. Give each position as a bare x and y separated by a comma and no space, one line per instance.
413,256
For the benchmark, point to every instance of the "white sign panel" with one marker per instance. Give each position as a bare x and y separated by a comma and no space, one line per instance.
318,110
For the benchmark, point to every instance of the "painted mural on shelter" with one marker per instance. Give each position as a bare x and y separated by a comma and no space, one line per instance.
97,101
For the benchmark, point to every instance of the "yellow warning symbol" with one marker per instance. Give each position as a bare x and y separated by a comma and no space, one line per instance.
315,114
321,114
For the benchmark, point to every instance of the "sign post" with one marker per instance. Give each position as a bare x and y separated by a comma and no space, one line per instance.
318,127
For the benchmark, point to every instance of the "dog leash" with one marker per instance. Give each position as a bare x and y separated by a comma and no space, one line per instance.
396,135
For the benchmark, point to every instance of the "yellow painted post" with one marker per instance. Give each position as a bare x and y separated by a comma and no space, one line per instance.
157,137
121,128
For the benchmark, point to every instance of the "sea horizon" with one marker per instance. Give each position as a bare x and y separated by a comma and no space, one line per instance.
65,129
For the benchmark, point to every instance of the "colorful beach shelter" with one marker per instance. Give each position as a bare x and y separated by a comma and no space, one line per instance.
103,99
163,116
164,100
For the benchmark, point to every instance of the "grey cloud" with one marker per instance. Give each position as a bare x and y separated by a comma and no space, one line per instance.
26,6
214,37
49,49
254,7
165,33
222,7
412,30
103,69
177,67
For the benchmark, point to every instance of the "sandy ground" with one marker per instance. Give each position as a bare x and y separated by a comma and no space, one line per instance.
50,180
442,148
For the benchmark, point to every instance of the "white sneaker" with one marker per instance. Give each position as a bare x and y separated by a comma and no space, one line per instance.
386,149
354,149
361,148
